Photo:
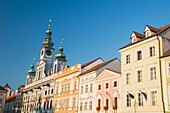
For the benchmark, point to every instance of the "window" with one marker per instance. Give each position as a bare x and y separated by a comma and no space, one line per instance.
127,78
55,68
107,102
139,76
57,90
67,102
91,87
99,87
81,106
62,88
90,105
107,85
139,55
98,102
127,59
74,101
51,104
45,92
128,100
152,51
115,84
85,106
140,99
115,101
65,87
153,98
51,91
75,84
81,89
153,73
68,86
169,68
86,90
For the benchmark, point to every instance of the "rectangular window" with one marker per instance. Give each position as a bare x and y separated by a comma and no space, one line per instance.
57,90
139,55
67,102
68,86
62,88
115,84
107,85
86,90
74,101
127,59
45,92
152,51
98,102
140,99
169,68
107,102
51,91
81,106
82,89
127,78
153,98
90,105
128,100
115,101
153,73
91,87
139,76
85,106
65,87
75,84
99,87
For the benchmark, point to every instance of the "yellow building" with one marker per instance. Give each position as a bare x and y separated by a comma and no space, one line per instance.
141,73
66,89
165,64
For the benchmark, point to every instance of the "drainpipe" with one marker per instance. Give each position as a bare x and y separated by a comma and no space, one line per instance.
161,74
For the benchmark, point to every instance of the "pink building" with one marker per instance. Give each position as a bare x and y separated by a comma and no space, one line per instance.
108,85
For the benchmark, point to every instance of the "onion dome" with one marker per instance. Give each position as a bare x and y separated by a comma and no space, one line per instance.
60,54
31,71
48,42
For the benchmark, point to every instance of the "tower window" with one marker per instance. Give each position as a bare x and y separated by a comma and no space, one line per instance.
139,55
42,52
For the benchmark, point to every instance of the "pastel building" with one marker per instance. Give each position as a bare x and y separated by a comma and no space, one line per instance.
165,69
3,93
108,85
142,85
66,87
87,90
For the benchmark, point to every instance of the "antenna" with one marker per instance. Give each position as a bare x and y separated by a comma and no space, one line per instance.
61,43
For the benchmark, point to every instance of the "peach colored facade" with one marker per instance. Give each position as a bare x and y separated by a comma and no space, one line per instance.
108,86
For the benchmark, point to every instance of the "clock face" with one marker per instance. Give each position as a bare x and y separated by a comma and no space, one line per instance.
48,52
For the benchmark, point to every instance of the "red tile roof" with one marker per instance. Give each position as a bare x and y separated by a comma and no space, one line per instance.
11,98
113,70
6,85
139,35
155,34
153,28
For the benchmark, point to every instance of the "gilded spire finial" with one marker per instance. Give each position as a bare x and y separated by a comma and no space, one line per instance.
49,25
61,43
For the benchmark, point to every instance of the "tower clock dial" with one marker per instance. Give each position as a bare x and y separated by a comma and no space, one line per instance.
48,52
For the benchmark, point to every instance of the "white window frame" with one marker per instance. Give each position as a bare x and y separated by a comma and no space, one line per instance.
127,59
138,56
142,98
153,90
126,78
154,76
105,86
153,51
137,77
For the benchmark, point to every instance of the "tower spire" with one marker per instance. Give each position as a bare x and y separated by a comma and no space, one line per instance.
61,49
31,71
48,42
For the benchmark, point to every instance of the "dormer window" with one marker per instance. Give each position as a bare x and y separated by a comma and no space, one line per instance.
147,34
134,40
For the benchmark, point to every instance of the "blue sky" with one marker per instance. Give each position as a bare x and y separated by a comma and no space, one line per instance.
90,28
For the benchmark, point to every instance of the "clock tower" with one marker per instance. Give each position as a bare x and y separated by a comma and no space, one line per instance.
46,56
